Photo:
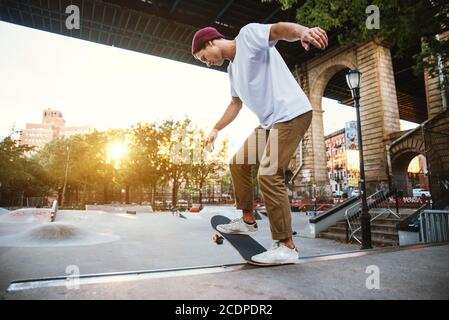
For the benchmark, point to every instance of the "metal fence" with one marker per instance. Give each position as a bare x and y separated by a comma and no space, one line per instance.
435,134
19,201
434,226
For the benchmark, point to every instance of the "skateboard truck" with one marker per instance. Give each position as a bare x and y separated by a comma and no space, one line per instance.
218,239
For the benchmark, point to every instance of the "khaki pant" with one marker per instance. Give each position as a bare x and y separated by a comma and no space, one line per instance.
272,150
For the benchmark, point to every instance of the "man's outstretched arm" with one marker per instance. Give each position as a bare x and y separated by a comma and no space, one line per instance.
229,115
291,32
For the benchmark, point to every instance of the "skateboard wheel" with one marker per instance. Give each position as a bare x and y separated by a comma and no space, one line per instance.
218,239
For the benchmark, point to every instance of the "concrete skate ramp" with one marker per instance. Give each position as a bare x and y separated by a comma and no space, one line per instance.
228,211
55,234
119,208
209,211
26,215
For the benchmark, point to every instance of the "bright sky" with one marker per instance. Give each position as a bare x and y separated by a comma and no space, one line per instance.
336,115
105,87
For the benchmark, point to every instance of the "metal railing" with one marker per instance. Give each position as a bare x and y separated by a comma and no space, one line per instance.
434,226
53,210
412,222
378,205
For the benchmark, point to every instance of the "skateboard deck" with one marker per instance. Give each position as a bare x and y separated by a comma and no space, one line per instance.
244,244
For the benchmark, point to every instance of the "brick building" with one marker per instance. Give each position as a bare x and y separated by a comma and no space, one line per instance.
52,126
342,157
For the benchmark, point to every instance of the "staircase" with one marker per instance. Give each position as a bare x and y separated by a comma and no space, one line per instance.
383,231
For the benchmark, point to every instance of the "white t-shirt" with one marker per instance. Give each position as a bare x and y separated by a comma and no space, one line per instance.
262,80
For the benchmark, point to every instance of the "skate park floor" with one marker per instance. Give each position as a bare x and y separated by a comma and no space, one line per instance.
95,242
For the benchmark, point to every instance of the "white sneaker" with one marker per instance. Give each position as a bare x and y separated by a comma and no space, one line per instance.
279,253
238,226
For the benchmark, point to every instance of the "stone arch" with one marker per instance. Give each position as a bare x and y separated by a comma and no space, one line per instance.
401,155
322,76
413,144
319,73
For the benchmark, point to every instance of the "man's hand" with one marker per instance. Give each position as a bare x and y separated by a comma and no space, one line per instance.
291,32
314,36
210,139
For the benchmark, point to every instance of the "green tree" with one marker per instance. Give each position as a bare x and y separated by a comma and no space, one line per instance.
172,154
144,166
205,166
77,164
403,23
20,175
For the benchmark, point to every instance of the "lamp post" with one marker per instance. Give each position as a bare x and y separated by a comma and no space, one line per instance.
65,177
353,78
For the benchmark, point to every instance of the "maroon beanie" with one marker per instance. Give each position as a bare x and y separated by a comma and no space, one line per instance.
204,35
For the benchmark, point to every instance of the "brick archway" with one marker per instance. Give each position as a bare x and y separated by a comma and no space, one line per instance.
412,145
401,154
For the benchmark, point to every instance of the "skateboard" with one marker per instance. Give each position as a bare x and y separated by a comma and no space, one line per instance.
244,244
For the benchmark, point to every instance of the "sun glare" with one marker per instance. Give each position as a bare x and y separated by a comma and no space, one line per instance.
116,151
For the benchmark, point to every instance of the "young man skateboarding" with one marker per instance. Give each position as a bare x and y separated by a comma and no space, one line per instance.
260,78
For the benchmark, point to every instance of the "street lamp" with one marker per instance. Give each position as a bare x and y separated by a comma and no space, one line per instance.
353,78
65,177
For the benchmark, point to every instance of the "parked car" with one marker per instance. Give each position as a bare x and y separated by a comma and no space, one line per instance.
418,192
355,193
196,207
337,193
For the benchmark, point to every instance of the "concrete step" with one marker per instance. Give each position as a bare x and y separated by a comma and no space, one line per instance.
376,222
385,222
386,235
375,240
391,216
374,227
381,234
383,231
384,228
